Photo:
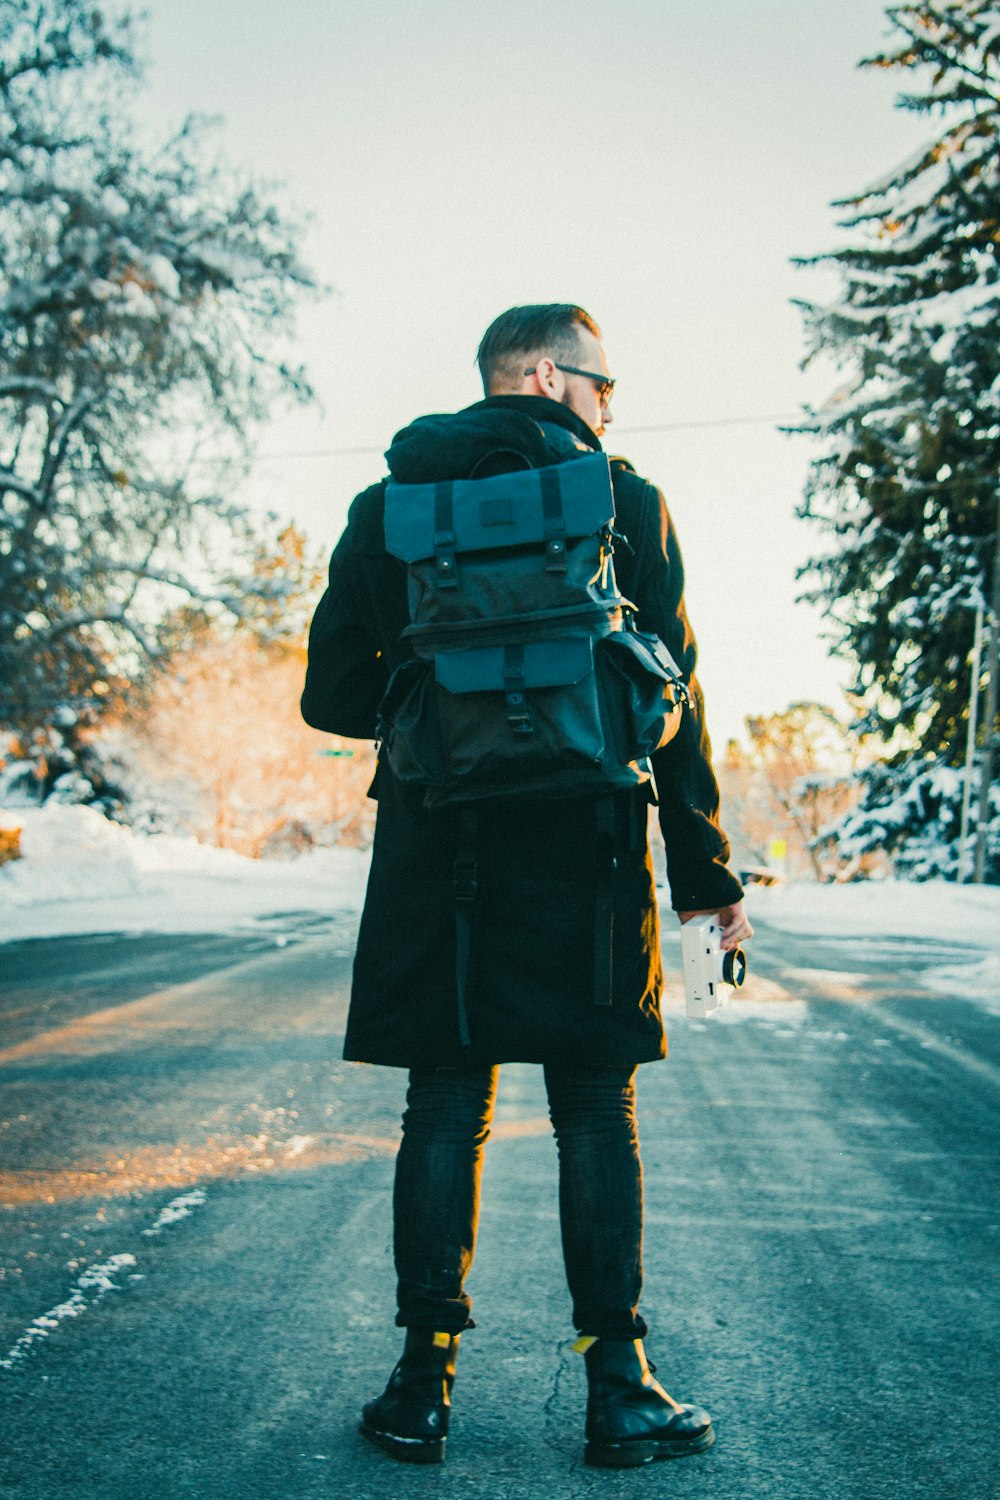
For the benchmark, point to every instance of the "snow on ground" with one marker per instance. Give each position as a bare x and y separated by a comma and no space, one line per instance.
872,912
968,915
80,873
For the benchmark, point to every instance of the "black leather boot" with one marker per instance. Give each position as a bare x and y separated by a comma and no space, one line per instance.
410,1418
630,1418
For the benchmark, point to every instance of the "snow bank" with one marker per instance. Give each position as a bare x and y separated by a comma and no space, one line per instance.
63,849
967,914
81,873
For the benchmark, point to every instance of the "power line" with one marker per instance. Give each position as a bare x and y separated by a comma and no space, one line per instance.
617,432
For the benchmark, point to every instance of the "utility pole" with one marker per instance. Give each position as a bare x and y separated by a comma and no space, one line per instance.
970,742
990,709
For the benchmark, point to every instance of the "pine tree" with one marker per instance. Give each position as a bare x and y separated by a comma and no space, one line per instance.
906,483
144,295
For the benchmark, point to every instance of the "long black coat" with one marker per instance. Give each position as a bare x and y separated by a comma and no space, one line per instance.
532,993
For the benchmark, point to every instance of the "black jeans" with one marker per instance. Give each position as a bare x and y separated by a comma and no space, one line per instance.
436,1201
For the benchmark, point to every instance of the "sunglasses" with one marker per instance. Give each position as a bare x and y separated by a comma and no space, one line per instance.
603,384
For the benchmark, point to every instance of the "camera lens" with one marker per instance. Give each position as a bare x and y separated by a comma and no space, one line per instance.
734,967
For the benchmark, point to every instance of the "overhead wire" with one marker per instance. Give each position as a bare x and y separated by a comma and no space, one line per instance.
617,432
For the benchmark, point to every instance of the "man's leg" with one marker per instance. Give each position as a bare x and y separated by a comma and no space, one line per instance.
436,1214
600,1197
630,1418
436,1197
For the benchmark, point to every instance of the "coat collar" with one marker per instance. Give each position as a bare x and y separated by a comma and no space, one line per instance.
541,409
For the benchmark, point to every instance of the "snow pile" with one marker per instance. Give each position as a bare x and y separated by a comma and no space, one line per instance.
81,873
967,914
62,850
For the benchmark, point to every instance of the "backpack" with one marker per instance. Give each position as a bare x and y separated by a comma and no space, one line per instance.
529,677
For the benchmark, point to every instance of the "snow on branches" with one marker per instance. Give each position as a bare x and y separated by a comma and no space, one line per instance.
906,479
144,297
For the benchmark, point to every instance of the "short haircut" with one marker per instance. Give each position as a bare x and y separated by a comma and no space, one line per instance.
538,329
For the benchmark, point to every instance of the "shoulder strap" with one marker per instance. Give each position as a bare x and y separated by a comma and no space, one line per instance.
466,890
497,462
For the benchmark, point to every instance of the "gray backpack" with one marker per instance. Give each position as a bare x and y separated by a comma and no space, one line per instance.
529,676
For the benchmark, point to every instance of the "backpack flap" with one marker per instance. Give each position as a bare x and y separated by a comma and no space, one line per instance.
536,664
527,506
515,670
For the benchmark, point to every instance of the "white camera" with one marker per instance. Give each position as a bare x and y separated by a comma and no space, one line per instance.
707,970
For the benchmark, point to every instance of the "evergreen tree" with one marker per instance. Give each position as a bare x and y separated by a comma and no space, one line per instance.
144,294
906,482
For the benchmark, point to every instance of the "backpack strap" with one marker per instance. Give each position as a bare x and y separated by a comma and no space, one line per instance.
498,461
466,889
605,867
554,519
515,697
444,536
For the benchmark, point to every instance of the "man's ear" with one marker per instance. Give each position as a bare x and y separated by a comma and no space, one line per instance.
547,376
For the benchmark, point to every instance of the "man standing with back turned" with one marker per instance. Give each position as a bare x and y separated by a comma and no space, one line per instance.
542,896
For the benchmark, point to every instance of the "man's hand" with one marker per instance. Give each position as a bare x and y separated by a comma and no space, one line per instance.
735,924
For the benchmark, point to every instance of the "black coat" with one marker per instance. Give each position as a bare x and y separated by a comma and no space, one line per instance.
532,992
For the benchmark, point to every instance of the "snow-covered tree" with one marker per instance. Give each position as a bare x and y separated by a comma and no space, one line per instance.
906,482
910,815
61,762
145,293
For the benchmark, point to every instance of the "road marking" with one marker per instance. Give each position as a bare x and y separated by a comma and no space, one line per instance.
86,1291
93,1283
177,1209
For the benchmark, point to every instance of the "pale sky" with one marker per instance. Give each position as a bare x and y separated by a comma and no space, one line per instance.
657,162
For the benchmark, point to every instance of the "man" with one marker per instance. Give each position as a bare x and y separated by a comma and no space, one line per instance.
531,982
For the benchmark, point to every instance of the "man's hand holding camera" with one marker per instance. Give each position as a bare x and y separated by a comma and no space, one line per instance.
734,924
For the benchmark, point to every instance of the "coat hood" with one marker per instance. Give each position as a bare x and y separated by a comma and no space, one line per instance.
449,446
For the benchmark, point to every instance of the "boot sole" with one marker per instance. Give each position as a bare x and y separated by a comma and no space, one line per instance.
633,1455
405,1450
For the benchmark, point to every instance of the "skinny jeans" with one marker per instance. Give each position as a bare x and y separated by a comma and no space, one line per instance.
446,1124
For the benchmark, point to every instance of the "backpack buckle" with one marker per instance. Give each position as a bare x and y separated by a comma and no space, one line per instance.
518,716
466,880
444,565
555,555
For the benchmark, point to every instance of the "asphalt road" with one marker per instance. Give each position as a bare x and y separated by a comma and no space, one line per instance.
197,1286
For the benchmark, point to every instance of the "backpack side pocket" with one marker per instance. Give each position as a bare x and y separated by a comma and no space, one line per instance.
645,692
409,725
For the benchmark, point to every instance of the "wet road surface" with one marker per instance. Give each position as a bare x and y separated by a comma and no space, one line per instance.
197,1286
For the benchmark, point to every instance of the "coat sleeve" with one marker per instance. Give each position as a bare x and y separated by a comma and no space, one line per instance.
697,849
346,674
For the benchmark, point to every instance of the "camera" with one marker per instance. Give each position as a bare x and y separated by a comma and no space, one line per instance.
707,970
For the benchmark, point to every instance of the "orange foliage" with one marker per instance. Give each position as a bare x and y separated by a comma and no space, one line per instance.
223,740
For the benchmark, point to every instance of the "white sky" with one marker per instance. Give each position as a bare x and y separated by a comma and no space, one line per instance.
657,162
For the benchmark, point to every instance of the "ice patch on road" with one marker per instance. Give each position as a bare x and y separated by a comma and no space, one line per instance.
87,1290
297,1144
974,981
825,976
177,1209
